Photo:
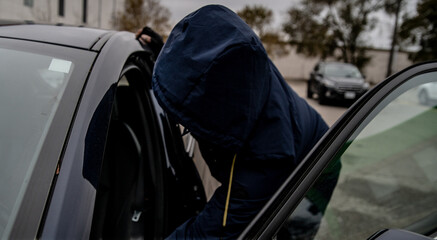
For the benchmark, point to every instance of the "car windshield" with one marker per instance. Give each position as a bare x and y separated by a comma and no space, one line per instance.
32,85
342,70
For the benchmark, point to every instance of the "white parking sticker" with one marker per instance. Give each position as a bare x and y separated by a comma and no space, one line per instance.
59,65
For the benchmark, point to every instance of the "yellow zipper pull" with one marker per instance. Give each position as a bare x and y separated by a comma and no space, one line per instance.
229,192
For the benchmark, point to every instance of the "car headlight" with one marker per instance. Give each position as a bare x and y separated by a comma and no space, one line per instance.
328,83
366,85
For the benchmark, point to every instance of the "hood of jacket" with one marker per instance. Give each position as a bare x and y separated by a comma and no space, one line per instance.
214,77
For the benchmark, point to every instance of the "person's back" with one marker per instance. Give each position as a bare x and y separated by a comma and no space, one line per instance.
214,77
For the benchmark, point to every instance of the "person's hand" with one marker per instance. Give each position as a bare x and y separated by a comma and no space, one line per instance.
143,38
151,39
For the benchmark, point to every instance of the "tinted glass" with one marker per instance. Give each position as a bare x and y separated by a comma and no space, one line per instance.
384,177
31,86
342,70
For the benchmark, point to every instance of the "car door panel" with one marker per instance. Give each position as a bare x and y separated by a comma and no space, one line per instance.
70,210
49,93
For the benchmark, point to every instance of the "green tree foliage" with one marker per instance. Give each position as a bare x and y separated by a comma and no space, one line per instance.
259,19
332,28
139,13
421,29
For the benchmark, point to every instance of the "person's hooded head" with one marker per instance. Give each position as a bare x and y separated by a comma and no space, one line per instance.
214,77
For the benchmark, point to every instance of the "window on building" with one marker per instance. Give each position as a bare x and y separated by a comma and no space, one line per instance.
28,3
61,8
84,11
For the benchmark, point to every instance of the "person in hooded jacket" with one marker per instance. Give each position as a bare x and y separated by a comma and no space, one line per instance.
214,77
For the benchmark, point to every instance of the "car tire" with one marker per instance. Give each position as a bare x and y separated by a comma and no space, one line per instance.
423,98
322,97
309,92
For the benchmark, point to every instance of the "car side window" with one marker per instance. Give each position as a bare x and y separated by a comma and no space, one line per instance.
383,177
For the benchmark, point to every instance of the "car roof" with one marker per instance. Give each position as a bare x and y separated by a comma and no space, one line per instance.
336,63
78,37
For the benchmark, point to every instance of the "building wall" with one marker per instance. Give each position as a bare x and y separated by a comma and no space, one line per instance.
376,70
295,65
298,66
99,12
13,10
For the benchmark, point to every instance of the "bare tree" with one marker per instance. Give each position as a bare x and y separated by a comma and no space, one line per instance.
320,27
421,29
393,7
140,13
259,19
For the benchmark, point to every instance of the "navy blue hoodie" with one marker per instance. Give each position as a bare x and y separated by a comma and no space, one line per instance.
214,77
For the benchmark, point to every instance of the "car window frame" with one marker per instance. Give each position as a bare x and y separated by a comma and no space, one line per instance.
321,70
56,222
289,195
316,68
137,74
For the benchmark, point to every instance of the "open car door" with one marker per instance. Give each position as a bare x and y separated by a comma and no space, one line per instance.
375,169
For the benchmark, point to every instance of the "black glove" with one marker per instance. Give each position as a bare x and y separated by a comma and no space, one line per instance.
156,42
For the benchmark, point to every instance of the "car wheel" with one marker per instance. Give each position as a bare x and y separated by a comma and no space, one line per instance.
309,92
322,97
423,98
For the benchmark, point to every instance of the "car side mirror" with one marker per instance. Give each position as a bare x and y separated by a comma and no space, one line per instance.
397,234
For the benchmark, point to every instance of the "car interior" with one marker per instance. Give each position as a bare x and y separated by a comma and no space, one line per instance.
124,183
144,191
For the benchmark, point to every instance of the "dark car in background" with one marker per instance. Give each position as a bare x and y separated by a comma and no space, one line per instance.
87,153
335,80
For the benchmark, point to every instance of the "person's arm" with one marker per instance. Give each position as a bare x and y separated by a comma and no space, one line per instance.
149,38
